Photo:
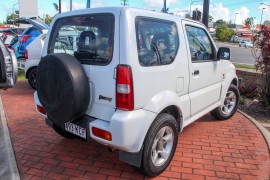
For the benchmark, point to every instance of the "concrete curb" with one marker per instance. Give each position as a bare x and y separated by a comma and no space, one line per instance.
8,165
265,132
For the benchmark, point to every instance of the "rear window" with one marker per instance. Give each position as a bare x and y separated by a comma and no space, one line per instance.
89,38
157,41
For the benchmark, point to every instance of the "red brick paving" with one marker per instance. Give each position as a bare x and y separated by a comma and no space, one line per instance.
207,149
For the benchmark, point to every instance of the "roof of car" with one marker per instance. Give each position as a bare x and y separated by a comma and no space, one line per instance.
123,9
114,9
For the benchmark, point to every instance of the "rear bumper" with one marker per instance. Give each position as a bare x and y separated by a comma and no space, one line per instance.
128,128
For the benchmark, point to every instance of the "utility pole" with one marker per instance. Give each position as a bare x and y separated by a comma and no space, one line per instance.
70,5
88,4
205,12
59,6
261,19
164,6
124,2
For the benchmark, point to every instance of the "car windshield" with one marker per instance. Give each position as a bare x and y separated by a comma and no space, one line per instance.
89,38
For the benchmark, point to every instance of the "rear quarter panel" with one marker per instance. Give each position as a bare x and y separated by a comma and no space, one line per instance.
155,87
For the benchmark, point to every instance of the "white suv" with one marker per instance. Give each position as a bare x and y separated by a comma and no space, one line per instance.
135,79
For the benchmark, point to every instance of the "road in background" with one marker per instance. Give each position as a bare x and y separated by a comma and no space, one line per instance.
239,55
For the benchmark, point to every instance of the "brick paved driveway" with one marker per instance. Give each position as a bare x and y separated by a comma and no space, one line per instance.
207,149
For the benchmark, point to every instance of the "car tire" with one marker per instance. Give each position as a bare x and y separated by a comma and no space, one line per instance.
229,106
32,78
159,145
62,88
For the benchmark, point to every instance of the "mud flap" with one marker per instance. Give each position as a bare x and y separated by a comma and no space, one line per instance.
134,159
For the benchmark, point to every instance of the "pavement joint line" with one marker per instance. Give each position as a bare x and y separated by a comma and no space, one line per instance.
263,130
8,165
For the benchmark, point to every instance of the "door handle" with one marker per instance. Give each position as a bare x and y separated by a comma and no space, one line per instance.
196,72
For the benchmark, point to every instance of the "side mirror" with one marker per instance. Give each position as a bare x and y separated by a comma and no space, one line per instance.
8,67
224,53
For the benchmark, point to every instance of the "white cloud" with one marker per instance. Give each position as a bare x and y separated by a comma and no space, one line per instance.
180,12
243,14
158,3
218,11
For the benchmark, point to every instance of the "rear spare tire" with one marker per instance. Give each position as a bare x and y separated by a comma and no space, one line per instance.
62,87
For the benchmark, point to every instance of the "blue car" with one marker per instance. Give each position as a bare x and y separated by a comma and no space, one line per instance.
30,33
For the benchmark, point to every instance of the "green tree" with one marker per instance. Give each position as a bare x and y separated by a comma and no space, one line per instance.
167,10
188,16
223,33
48,19
262,63
266,22
220,22
249,22
12,17
210,18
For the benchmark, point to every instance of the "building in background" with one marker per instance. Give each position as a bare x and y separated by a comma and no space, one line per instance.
28,8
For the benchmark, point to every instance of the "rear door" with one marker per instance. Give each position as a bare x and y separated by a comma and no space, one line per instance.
93,39
205,69
102,73
8,67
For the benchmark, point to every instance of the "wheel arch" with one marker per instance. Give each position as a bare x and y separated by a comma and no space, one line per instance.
235,82
230,78
30,69
176,113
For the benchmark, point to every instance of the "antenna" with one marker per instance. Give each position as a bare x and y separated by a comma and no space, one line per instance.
124,2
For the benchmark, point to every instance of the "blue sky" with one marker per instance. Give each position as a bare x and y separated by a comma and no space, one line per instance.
219,9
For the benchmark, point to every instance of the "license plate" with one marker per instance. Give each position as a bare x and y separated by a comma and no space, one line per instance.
77,130
21,63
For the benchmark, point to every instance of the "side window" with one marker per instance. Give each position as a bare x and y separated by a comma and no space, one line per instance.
201,48
157,41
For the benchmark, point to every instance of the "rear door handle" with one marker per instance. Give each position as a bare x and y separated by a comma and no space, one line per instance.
196,72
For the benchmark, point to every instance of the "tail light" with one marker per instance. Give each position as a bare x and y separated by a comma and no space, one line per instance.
12,49
41,110
102,133
24,39
26,54
124,88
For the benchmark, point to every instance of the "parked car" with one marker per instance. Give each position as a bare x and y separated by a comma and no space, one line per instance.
66,43
32,57
134,81
8,67
7,36
245,43
14,46
29,34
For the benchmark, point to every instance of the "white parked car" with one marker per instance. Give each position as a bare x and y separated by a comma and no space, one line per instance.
246,44
32,59
66,44
135,80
